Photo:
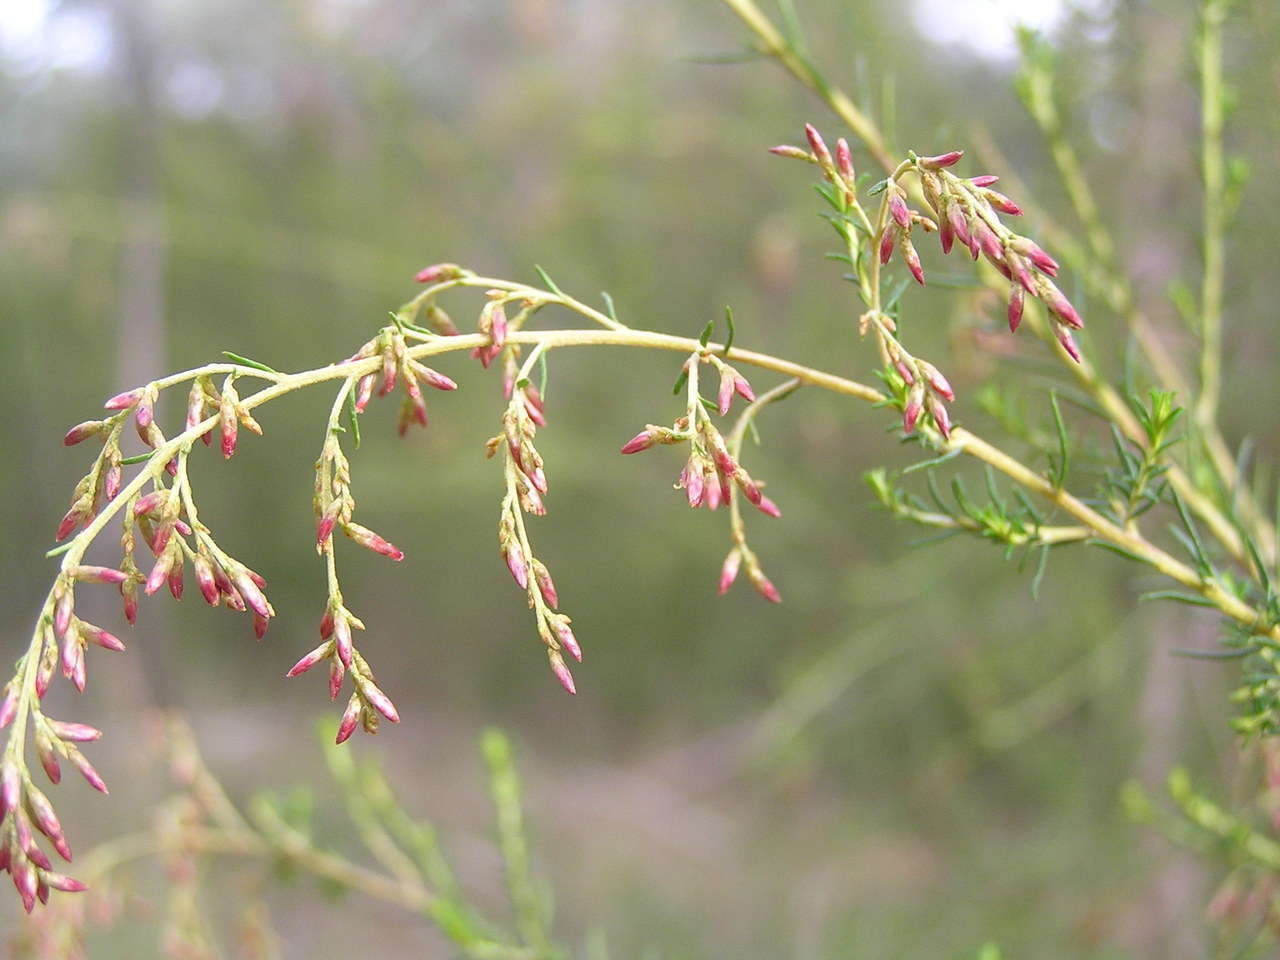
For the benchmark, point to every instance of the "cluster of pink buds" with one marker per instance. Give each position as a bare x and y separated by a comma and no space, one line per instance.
526,486
927,390
493,324
968,210
367,703
837,170
398,367
742,556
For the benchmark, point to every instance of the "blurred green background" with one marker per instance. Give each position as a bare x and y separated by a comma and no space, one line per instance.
908,757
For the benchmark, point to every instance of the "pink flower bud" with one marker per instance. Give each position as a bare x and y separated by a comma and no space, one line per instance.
565,635
764,586
83,431
64,883
123,401
336,672
175,581
712,493
946,235
694,485
1068,342
547,587
794,152
937,380
959,224
342,640
437,272
912,260
435,379
364,392
129,596
941,420
24,879
324,529
941,160
985,180
1002,203
914,405
78,732
743,388
1031,250
886,243
252,594
310,660
8,706
844,161
372,541
818,146
48,760
260,625
516,564
499,327
327,624
724,397
987,241
111,481
69,522
768,507
102,638
205,580
62,613
350,716
230,430
729,570
898,207
99,574
1059,305
159,573
379,701
1016,303
10,787
87,771
561,671
641,441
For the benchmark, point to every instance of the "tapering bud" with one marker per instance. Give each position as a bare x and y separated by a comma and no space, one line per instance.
729,570
561,671
83,431
818,146
310,660
1016,304
123,401
438,272
350,717
844,162
941,160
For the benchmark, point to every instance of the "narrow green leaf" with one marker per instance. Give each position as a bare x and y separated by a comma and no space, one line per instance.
236,358
1041,564
728,320
934,462
136,458
680,382
608,305
709,329
1177,596
546,279
1060,472
353,418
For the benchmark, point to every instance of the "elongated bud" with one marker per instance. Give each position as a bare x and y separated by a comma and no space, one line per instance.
729,570
83,431
99,574
941,419
887,242
914,406
64,883
561,671
941,160
1016,303
795,153
350,717
10,787
371,541
79,732
310,660
987,241
1002,203
818,146
764,586
516,564
743,388
99,637
253,596
437,272
48,759
86,770
937,380
205,579
9,705
1032,251
768,507
1059,305
844,162
897,201
374,696
324,528
434,378
123,401
342,639
111,480
542,576
364,392
230,426
912,259
1068,342
641,441
62,613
